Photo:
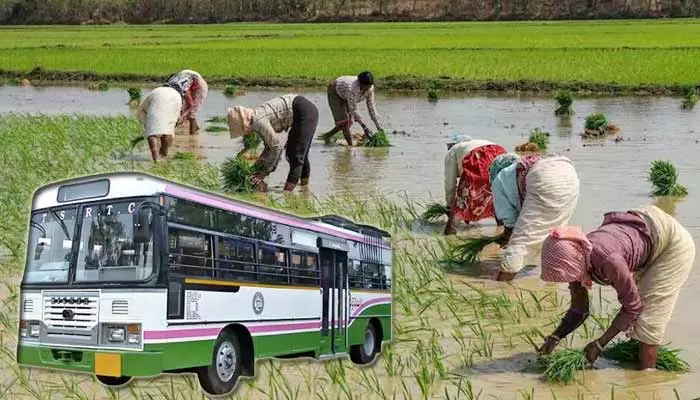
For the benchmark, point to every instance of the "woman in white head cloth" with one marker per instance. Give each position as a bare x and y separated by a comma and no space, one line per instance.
159,113
467,186
193,89
289,112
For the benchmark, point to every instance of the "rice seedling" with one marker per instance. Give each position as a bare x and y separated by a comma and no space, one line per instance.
379,139
538,141
433,93
236,173
216,128
230,91
690,97
564,99
664,179
597,125
103,86
217,120
134,96
185,156
468,250
435,211
627,351
561,366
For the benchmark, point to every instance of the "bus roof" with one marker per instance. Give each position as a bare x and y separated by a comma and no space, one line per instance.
133,184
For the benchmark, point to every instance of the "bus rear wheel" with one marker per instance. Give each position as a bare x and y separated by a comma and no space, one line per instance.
364,353
113,381
226,365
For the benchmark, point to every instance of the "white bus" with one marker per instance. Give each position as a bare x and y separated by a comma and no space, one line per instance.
130,275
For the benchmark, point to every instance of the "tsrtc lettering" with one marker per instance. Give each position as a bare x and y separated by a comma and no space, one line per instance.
132,207
88,212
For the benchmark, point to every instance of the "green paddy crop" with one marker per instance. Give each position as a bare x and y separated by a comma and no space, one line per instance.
444,325
535,55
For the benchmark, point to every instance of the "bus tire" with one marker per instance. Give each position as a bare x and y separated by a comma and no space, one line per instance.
221,376
113,381
365,353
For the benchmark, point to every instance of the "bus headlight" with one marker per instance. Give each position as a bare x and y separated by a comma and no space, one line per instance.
115,334
34,329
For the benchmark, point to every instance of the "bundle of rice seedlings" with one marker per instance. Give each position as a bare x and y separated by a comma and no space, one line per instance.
230,91
664,179
134,96
628,352
690,97
467,252
251,142
538,141
329,137
236,173
102,86
561,366
564,98
597,124
435,211
217,120
379,139
528,147
216,128
433,93
185,156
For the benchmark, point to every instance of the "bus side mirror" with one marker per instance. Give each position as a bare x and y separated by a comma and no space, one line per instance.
142,225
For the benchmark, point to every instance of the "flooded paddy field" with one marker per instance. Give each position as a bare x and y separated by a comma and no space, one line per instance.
438,339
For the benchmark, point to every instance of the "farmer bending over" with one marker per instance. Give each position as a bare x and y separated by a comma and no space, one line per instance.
343,95
193,89
467,186
159,113
531,196
644,254
290,112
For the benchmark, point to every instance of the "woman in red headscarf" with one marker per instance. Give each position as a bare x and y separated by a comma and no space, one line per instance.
644,254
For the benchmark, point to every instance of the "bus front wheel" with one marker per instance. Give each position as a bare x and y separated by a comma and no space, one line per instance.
113,381
364,353
226,365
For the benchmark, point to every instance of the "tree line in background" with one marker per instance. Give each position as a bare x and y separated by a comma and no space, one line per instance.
213,11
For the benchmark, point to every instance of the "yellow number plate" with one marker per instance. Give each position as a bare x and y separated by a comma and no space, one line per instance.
108,364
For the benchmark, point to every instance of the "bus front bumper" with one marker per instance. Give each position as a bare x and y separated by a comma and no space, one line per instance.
105,363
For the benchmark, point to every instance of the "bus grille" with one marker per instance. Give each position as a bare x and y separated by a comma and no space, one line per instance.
69,316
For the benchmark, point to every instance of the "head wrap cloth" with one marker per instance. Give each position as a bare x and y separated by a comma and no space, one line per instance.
566,255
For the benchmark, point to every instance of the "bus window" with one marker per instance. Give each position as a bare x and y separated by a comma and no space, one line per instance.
355,275
235,260
304,269
192,255
184,212
387,276
370,276
235,224
272,264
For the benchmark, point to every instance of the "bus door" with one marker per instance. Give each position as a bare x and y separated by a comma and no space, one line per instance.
334,296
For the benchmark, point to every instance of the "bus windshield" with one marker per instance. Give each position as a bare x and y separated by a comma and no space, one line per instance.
50,242
108,252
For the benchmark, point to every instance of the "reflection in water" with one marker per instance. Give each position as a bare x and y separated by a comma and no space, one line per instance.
668,204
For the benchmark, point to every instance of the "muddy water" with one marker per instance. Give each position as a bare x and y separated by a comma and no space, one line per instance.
612,175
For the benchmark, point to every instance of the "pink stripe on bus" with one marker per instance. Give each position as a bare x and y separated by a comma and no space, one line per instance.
369,303
205,332
188,195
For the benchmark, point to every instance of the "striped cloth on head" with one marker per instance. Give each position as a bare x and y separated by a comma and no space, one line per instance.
566,256
500,162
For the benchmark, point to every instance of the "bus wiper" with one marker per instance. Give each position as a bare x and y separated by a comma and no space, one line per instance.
38,226
63,224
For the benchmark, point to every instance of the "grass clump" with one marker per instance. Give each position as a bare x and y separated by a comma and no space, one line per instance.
467,252
435,211
236,173
561,366
230,91
564,99
628,352
379,139
690,97
664,179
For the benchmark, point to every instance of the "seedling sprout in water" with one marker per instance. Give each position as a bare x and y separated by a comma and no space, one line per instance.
134,96
435,211
538,141
690,97
664,179
230,91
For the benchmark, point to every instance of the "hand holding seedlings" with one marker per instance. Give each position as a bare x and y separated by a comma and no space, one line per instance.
550,343
592,351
